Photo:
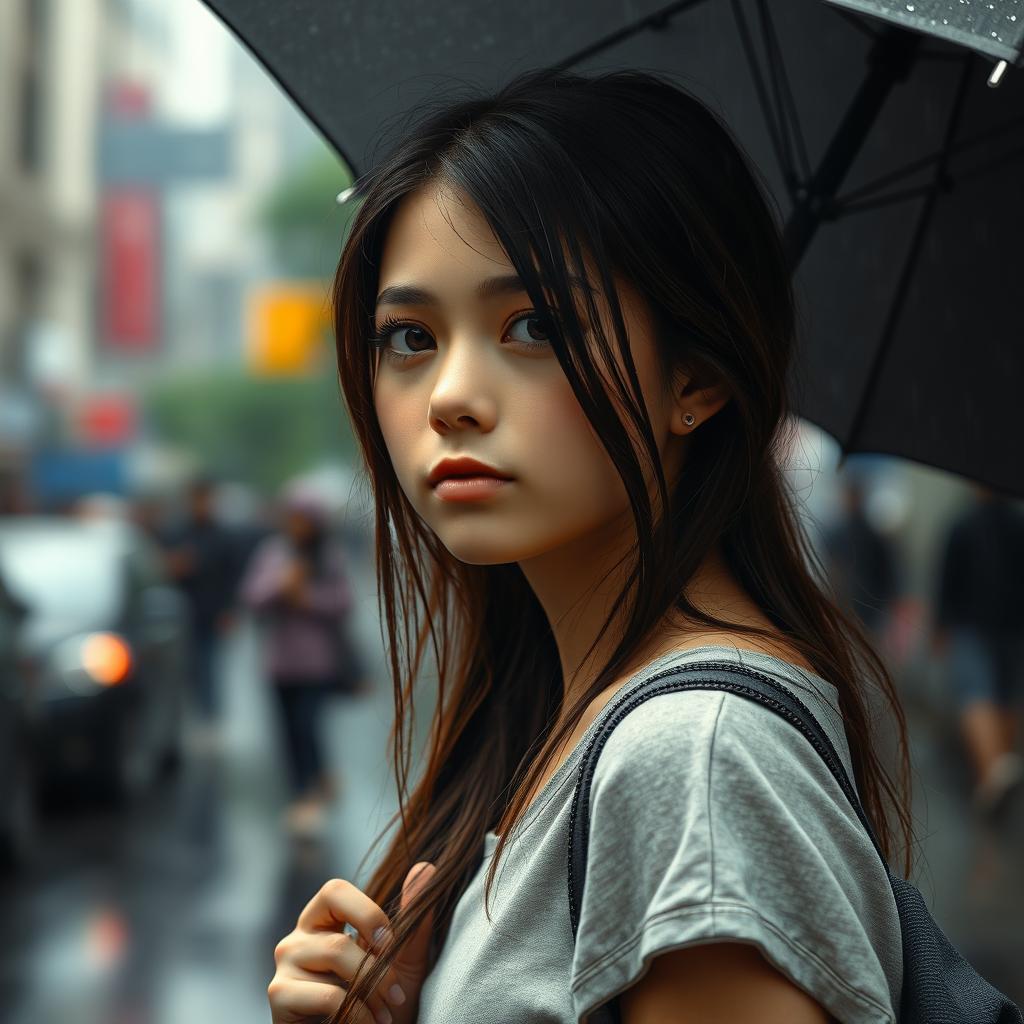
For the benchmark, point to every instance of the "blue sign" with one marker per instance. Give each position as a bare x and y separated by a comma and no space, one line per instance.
141,152
61,475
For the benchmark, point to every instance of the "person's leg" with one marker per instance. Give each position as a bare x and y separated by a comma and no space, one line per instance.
288,701
973,674
1013,698
1008,771
205,673
984,735
998,768
305,817
308,736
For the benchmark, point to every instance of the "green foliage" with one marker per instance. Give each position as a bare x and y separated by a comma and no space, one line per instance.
263,430
300,215
257,430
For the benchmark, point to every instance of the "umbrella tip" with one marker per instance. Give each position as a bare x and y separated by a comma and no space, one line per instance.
997,74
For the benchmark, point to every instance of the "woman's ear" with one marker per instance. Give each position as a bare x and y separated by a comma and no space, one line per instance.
695,402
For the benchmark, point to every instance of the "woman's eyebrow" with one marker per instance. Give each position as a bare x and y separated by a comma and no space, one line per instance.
507,284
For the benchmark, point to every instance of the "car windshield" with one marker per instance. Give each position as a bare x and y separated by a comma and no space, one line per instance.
67,574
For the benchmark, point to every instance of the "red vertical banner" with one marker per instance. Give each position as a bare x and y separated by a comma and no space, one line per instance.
130,240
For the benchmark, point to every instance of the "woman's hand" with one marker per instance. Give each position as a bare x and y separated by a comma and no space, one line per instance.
293,585
317,961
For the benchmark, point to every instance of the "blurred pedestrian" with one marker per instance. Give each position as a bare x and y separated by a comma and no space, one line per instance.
979,624
297,582
200,558
862,562
149,512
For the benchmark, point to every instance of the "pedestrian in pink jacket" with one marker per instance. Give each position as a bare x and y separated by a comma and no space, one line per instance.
297,584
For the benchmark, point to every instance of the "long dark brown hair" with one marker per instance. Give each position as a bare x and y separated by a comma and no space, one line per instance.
634,171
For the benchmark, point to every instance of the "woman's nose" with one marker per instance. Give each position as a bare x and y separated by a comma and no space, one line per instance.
463,394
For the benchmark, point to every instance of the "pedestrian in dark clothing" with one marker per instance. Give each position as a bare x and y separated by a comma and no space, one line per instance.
201,559
297,582
979,623
862,562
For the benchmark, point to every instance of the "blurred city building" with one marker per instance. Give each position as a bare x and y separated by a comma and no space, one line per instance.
50,72
137,146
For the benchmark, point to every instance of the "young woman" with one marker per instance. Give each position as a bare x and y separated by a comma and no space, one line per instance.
579,284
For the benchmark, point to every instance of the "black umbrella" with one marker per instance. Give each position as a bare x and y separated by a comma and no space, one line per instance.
900,124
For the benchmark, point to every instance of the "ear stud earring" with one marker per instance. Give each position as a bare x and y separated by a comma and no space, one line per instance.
688,419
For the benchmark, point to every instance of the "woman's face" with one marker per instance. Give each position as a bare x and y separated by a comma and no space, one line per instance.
479,379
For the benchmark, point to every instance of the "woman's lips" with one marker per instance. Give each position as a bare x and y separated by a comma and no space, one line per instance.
469,488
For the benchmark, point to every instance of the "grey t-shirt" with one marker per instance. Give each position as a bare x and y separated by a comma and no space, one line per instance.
712,819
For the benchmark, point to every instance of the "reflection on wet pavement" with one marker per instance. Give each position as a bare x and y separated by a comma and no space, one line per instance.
169,912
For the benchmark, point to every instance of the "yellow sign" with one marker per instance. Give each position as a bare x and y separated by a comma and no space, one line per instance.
286,324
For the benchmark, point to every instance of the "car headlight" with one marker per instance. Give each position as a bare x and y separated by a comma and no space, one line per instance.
96,661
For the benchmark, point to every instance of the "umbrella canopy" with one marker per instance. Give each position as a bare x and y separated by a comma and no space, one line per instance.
891,143
989,28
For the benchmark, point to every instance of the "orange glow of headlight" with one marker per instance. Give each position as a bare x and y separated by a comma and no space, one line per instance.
107,658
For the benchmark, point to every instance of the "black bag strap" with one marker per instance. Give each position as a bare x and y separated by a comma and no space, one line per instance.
938,983
704,675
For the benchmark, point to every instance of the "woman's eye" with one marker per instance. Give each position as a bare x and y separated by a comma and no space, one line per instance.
415,340
533,331
392,336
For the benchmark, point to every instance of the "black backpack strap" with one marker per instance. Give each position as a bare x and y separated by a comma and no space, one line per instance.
938,983
705,675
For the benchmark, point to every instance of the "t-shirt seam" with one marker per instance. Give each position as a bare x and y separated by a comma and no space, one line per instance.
711,831
710,907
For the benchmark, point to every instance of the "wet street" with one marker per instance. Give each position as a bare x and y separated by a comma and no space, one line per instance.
169,913
968,871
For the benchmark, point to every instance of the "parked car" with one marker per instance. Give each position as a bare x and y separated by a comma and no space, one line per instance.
17,790
105,644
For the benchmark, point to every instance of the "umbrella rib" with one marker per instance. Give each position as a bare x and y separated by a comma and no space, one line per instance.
783,93
931,158
762,94
951,181
1003,158
841,209
654,21
910,262
890,60
773,74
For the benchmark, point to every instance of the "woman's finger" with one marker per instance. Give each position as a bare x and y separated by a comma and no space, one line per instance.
338,903
299,1002
339,954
